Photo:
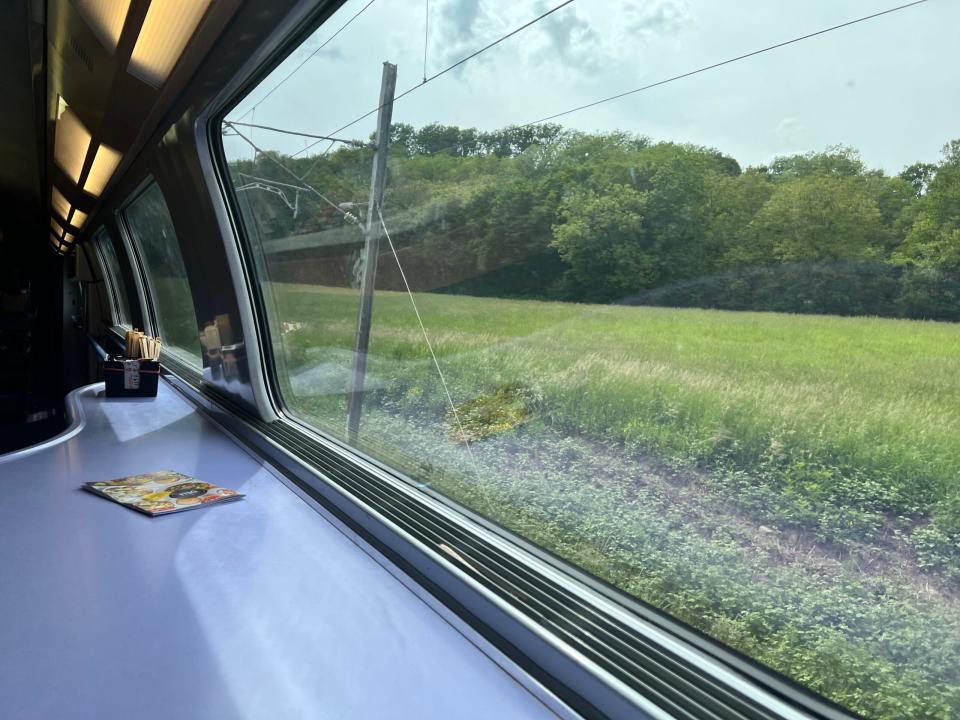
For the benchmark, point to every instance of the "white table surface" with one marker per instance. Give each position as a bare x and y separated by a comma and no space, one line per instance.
260,608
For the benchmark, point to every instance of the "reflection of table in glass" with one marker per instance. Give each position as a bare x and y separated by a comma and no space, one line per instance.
256,609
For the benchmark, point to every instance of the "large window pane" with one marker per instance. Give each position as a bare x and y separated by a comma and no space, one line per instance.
700,340
152,230
118,289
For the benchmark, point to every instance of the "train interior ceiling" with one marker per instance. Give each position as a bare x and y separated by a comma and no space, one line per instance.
106,78
54,297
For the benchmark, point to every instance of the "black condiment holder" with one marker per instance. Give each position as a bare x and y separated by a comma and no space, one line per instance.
130,377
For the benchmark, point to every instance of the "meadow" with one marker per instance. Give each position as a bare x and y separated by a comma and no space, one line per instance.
788,484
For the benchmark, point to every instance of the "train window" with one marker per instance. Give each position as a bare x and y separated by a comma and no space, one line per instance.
152,231
699,339
111,265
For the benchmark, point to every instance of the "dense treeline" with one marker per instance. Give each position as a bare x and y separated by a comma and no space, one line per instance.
544,212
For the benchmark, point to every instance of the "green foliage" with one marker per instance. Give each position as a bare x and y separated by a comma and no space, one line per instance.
731,203
653,447
602,237
438,139
836,161
919,175
785,483
937,549
817,217
544,212
487,415
933,240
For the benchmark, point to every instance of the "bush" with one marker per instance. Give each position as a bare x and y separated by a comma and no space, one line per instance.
821,288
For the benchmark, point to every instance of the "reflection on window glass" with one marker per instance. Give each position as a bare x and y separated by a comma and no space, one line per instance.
700,340
118,290
152,230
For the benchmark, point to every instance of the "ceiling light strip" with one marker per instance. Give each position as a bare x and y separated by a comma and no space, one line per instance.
105,18
105,163
59,203
166,30
77,218
71,144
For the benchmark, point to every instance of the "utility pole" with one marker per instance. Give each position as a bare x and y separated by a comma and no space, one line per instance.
371,248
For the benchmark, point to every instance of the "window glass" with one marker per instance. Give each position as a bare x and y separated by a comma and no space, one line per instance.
152,230
699,339
111,265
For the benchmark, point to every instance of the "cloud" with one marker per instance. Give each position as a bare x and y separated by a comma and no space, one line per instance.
460,27
658,17
790,131
331,52
464,26
459,19
569,36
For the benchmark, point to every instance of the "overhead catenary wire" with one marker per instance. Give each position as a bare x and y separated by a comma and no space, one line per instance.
601,101
350,217
721,63
406,283
426,35
426,339
355,143
675,78
728,61
317,161
712,66
447,69
301,186
659,83
253,117
307,59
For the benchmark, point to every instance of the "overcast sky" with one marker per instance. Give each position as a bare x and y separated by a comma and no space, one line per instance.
888,87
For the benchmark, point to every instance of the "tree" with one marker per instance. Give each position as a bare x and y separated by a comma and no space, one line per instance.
817,218
933,240
402,136
602,240
919,175
835,161
675,179
515,139
731,203
541,211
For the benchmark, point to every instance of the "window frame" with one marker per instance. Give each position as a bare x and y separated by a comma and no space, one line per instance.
293,445
183,362
118,317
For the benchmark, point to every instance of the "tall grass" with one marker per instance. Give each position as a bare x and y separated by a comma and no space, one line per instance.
871,396
662,449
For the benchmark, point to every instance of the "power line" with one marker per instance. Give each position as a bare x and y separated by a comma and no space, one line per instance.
350,217
301,186
355,143
619,95
724,62
426,30
253,117
307,59
317,161
307,186
483,49
426,338
448,69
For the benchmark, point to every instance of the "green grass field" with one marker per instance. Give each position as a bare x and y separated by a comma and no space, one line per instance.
788,484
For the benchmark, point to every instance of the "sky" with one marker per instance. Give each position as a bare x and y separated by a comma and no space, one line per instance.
887,87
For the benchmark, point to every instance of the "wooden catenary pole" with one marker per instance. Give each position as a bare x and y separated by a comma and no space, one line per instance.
371,248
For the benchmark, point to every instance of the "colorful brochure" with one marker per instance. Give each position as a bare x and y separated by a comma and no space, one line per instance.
161,493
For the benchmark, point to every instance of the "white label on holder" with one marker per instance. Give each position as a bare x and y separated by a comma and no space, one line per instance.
131,375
